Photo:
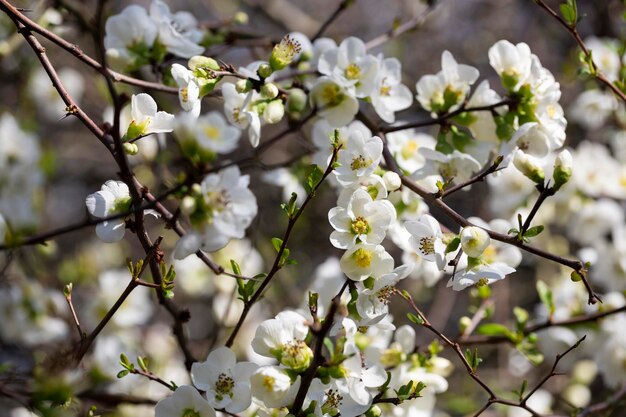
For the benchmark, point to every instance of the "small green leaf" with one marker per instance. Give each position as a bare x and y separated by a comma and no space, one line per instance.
142,362
415,319
235,267
277,243
313,175
124,361
545,295
493,329
575,276
453,245
569,11
123,373
533,231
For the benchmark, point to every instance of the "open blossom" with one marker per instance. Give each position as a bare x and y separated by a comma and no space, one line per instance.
363,220
207,135
146,119
390,95
188,89
359,158
226,382
333,101
372,302
426,238
446,90
351,66
366,260
283,338
478,275
239,111
185,402
323,132
178,32
457,166
272,386
113,198
222,210
129,33
405,146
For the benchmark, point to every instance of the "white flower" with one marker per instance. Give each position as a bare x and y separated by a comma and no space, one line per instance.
372,302
405,146
359,158
350,66
529,166
226,382
446,90
390,95
185,402
363,220
188,89
456,166
426,238
137,308
209,133
273,387
283,338
392,180
146,119
593,107
113,198
365,260
511,62
284,178
474,241
483,274
225,207
481,123
334,399
322,133
128,33
238,110
373,184
333,102
605,55
177,31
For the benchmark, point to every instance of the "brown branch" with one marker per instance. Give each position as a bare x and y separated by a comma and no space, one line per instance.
340,8
610,403
407,26
494,167
574,32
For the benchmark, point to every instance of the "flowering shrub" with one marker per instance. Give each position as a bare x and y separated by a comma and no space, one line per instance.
326,297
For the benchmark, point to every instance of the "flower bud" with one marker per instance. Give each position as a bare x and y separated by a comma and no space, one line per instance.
241,18
243,86
474,241
464,323
374,411
269,91
296,101
200,61
284,53
392,180
274,112
528,166
562,169
131,148
578,395
188,205
264,71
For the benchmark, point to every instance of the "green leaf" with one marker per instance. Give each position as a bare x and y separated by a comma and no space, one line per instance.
453,245
415,319
533,231
575,276
569,11
277,243
142,363
521,317
313,175
545,295
123,373
235,267
493,329
124,361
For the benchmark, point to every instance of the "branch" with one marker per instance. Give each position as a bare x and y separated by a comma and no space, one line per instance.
342,6
407,26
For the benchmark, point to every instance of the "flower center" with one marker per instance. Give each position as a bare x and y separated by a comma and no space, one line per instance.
190,412
353,72
332,403
409,149
384,293
212,132
184,94
224,386
362,257
360,162
427,245
482,282
360,226
332,95
268,383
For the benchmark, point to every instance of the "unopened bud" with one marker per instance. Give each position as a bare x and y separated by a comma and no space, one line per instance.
392,180
188,205
269,91
243,86
264,71
241,18
67,290
562,169
296,100
474,241
274,112
374,411
131,148
464,323
200,61
529,166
